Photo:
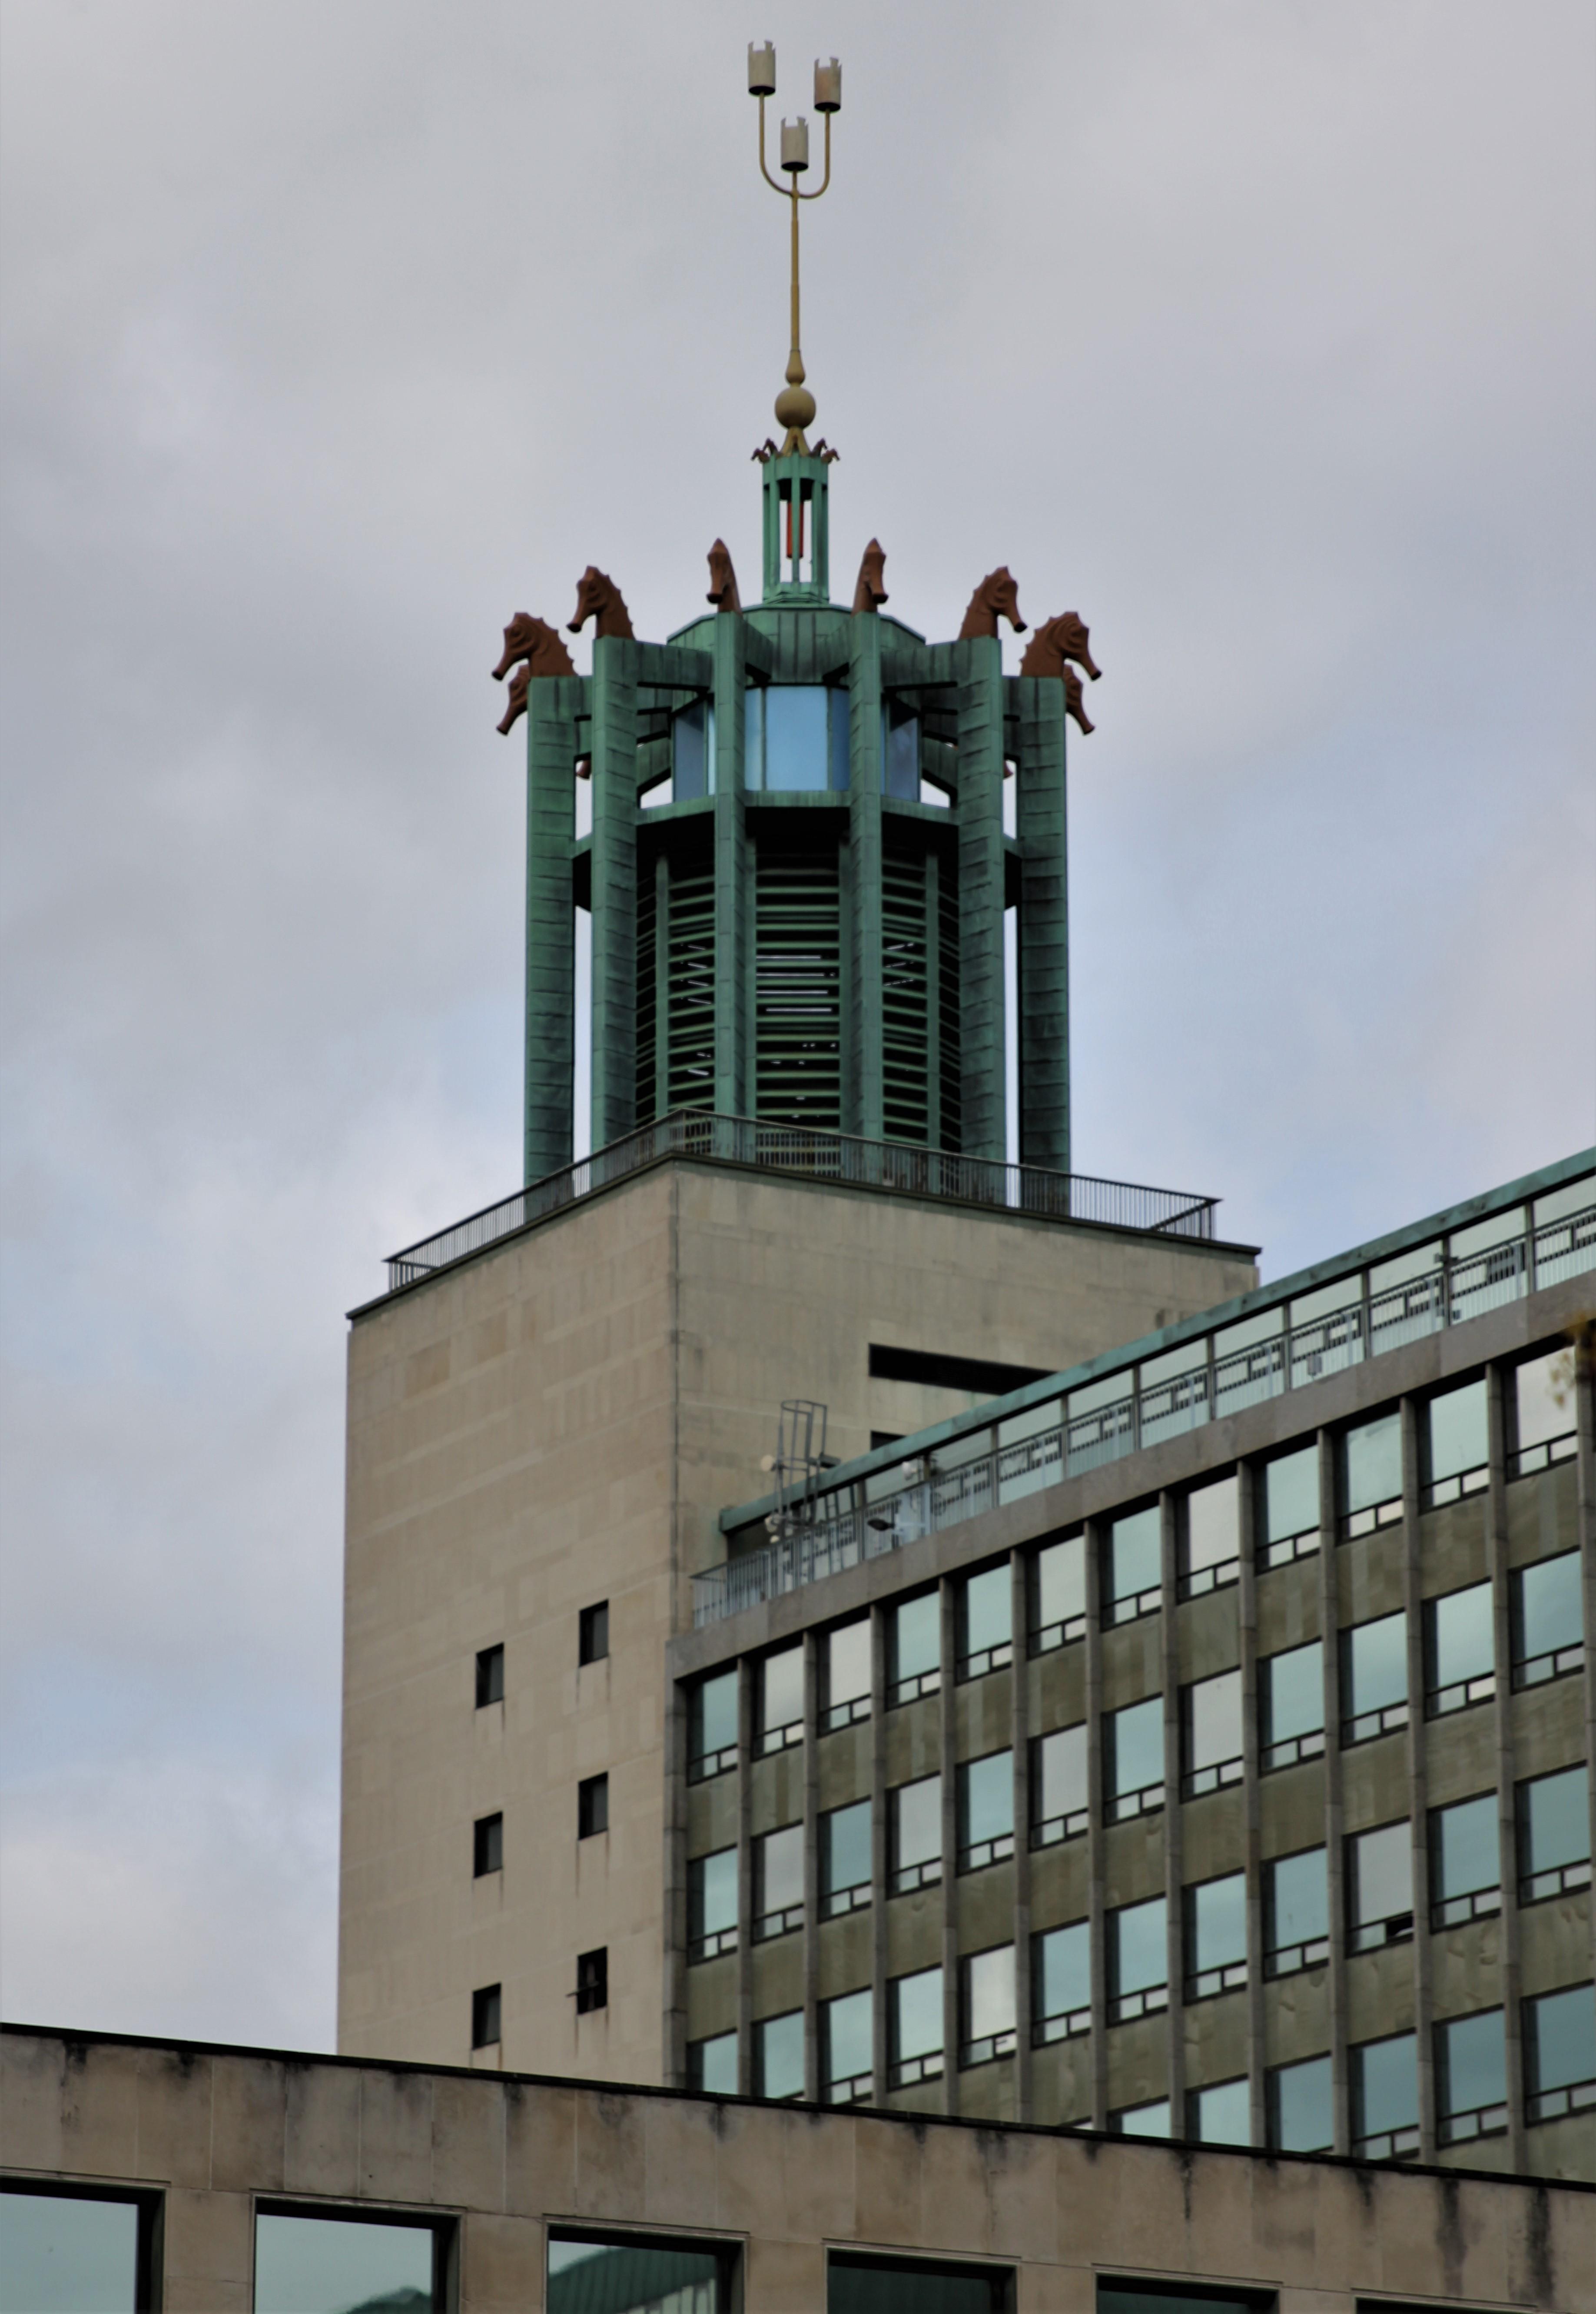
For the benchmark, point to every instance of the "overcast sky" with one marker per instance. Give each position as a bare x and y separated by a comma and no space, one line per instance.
1259,332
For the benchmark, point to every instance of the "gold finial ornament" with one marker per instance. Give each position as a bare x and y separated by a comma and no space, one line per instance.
795,404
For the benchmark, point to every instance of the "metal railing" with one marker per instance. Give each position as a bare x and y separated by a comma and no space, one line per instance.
1284,1346
839,1158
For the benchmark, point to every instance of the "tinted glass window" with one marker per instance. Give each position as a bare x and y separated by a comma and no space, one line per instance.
1133,1747
858,2285
627,2276
986,1617
1461,1642
1560,2038
1379,1874
1455,1431
845,1847
1212,1529
1550,1611
1292,1693
779,2055
1296,1899
1290,1495
714,1715
1138,1948
1374,1665
1060,1581
916,1639
1135,1554
1062,1964
1372,1464
1470,2062
1463,1847
1216,1923
1301,2112
326,2266
1554,1821
63,2255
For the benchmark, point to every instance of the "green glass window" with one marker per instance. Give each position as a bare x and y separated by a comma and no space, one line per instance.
1134,1755
1371,1472
1289,1505
628,2274
712,1724
1465,1861
325,2265
712,2065
1220,2114
1296,1912
1292,1705
1061,1979
856,2283
1301,2107
779,2055
69,2254
845,1857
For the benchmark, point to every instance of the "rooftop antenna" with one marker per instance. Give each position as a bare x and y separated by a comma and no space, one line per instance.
795,404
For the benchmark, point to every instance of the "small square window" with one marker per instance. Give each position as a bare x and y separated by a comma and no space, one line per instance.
485,2008
593,1807
488,1845
593,1981
593,1642
490,1676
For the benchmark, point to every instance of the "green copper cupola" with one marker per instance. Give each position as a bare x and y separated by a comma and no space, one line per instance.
796,866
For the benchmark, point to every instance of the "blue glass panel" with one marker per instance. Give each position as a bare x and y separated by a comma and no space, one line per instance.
1218,1923
1137,1946
837,715
1473,2062
1063,1970
900,753
796,736
1302,2113
1296,1895
1562,2039
1385,2086
779,2049
691,751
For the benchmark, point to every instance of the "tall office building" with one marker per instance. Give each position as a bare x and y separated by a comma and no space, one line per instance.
1149,1699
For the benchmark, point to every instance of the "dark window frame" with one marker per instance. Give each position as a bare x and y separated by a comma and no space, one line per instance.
593,1806
727,2254
593,1981
593,1634
998,2278
149,2201
486,2007
444,2231
490,1675
487,1845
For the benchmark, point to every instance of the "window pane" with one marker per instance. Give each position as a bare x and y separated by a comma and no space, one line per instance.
782,1689
1471,2063
900,753
1221,2113
715,1714
848,1661
1297,1899
324,2265
1543,1398
985,1612
712,2065
690,751
779,1869
1063,1970
1137,1946
858,2285
1455,1425
1560,2038
63,2255
1555,1821
1213,1720
1060,1773
779,2055
988,1992
1135,1557
1551,1612
1292,1693
1302,2118
1060,1581
1374,1664
1133,1741
712,1893
916,1639
795,737
1372,1464
845,1847
986,1798
1461,1642
1212,1531
1216,1919
917,1822
1464,1853
916,2015
846,2034
628,2276
1379,1874
1290,1495
1385,2081
1146,2121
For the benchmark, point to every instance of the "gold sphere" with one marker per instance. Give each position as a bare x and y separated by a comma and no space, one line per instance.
795,408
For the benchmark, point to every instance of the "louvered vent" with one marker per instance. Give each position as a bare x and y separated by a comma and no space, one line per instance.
647,1038
905,1000
950,1132
798,995
690,948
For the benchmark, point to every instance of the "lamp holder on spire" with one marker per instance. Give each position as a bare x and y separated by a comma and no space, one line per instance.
795,404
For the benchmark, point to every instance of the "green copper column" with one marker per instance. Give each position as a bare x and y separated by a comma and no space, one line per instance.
1044,928
733,1095
864,1091
552,706
978,667
614,887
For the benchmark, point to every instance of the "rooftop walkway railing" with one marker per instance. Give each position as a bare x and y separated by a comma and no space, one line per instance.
1273,1339
835,1157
